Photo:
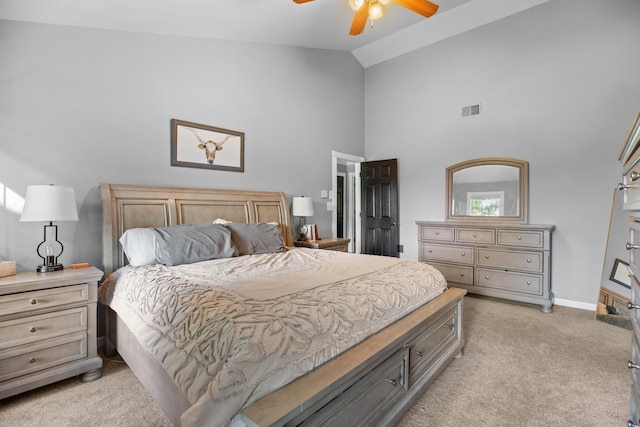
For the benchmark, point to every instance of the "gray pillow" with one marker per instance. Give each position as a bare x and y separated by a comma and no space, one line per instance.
259,238
186,244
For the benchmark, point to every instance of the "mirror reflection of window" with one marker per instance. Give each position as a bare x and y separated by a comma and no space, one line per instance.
487,190
485,203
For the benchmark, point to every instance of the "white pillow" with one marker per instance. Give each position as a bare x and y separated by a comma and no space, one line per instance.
220,221
139,246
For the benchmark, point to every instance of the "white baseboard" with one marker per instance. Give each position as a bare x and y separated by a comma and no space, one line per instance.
575,304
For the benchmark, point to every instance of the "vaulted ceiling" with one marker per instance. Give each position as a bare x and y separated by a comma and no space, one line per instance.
322,24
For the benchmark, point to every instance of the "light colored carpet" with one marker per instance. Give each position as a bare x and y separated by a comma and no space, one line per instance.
521,367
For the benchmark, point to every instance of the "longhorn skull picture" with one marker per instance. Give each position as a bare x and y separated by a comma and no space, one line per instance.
208,147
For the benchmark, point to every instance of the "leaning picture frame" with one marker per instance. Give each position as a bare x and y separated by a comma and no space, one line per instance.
195,145
620,273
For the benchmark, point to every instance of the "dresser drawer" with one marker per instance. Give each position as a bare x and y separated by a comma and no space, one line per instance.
33,328
531,239
459,254
22,360
510,281
476,235
437,233
368,400
631,179
510,260
37,300
462,274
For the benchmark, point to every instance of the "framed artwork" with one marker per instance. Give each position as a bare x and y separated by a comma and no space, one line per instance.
200,146
620,273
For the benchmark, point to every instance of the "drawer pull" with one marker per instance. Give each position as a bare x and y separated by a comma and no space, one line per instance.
451,326
634,176
33,330
32,360
486,256
419,353
392,382
632,306
430,250
475,235
437,233
631,246
632,365
519,237
625,186
528,260
462,254
528,282
461,274
486,277
33,301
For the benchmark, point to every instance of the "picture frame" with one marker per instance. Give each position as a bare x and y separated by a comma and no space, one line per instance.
620,273
195,145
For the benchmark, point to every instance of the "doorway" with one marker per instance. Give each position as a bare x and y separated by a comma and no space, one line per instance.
346,166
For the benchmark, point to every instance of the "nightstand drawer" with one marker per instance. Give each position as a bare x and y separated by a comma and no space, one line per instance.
476,235
531,239
510,260
33,328
44,354
31,301
509,281
459,254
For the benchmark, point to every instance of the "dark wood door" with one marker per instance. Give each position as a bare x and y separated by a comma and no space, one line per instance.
379,186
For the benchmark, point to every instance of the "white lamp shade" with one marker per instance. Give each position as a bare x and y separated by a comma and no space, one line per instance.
302,206
49,203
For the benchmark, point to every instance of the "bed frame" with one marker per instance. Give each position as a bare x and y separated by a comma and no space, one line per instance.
375,382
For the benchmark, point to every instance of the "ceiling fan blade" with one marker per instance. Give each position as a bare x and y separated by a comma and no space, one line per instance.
421,7
360,19
301,1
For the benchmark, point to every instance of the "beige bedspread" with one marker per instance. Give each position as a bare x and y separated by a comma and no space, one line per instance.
230,331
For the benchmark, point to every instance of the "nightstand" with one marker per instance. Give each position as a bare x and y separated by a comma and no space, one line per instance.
48,328
330,244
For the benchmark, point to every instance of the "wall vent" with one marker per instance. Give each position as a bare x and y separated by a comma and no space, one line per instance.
471,110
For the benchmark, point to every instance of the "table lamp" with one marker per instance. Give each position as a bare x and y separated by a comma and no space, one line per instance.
302,207
49,203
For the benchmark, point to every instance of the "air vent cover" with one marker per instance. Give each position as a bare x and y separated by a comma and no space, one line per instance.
471,110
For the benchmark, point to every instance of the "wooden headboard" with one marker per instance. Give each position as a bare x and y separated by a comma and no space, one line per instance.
131,206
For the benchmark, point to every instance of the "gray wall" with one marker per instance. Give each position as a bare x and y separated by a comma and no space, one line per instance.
83,106
558,86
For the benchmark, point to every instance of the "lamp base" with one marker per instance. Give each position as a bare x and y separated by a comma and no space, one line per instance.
49,268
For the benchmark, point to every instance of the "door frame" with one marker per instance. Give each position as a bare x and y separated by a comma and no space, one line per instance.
346,159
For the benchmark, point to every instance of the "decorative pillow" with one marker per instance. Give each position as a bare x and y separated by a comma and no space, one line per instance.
186,244
259,238
138,246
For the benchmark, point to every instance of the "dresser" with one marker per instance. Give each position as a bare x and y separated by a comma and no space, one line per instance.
504,261
48,328
630,158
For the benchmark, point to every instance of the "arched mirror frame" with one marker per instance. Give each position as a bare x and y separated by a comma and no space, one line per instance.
523,199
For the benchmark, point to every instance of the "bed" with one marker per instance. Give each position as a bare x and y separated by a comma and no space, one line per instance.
345,339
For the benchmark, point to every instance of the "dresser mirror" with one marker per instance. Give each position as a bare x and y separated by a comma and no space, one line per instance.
488,190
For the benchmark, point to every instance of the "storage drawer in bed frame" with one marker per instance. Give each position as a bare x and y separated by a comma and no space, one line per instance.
359,395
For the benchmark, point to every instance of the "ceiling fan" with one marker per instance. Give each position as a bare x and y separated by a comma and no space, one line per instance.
372,9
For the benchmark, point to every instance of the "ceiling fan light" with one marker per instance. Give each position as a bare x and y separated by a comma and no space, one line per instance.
356,4
375,10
